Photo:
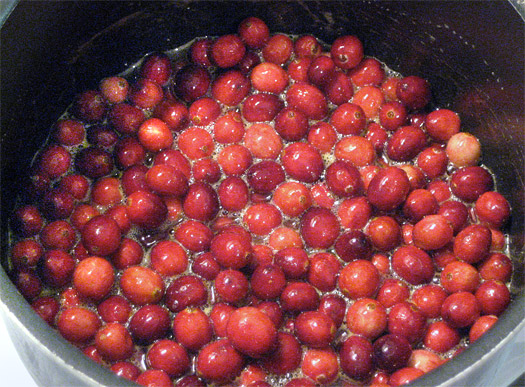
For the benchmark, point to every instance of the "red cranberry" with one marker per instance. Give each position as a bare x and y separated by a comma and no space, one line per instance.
352,245
414,92
392,291
146,94
492,209
441,337
57,268
481,326
459,276
164,179
77,324
493,297
432,232
463,150
114,309
347,51
308,99
227,50
497,266
231,286
58,234
268,281
146,209
173,113
201,202
321,71
154,377
254,32
320,365
472,244
126,118
298,297
230,87
57,204
93,162
192,328
406,319
319,227
264,176
388,188
90,106
315,329
193,235
141,285
366,317
413,265
278,49
219,362
470,183
441,124
460,309
286,357
168,356
323,271
358,279
93,277
384,233
200,52
157,68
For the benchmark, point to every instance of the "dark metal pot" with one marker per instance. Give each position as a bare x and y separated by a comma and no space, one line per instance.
471,52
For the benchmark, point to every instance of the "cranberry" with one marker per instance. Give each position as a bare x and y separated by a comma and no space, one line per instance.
57,204
69,132
352,245
29,283
219,362
93,277
269,77
463,150
347,51
27,220
229,128
460,309
55,160
493,297
114,342
307,46
200,52
492,209
432,232
321,71
334,307
227,50
268,281
320,365
370,99
126,118
101,235
173,113
481,326
359,279
57,268
47,308
407,320
392,115
413,265
193,235
26,253
278,49
323,271
231,286
391,352
230,88
308,99
58,234
322,136
261,107
201,202
497,266
154,377
264,176
191,82
114,309
77,324
356,357
254,32
366,317
442,124
470,183
146,209
384,233
459,276
388,188
414,92
298,297
128,254
146,94
157,68
319,227
90,106
190,381
141,285
472,244
126,370
185,291
391,292
93,162
263,141
286,357
343,179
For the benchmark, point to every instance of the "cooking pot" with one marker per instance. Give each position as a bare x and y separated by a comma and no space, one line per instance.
471,52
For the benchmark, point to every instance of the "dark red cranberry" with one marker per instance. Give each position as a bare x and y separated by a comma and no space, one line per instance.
93,162
470,183
413,265
126,118
146,209
356,357
406,143
347,51
90,106
291,124
201,202
265,176
299,297
391,352
268,281
186,291
261,107
191,82
319,227
352,245
388,188
173,113
303,162
157,68
343,179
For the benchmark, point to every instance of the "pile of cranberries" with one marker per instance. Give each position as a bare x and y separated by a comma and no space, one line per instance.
268,210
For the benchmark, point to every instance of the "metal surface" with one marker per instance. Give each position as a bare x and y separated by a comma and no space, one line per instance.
471,52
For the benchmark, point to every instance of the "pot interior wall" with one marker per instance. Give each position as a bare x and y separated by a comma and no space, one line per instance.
471,52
